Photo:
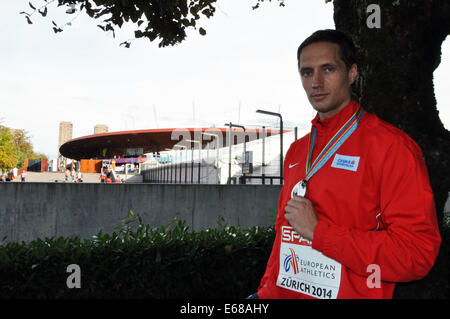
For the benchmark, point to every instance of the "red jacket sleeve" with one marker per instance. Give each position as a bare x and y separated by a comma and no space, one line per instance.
407,246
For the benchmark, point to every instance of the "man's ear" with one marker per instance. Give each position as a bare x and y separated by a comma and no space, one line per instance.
353,73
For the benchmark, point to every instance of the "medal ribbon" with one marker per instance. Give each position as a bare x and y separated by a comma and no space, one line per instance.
332,146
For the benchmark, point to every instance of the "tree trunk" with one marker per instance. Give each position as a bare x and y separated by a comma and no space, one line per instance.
396,64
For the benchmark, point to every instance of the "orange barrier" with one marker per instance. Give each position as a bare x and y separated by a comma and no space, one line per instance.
90,166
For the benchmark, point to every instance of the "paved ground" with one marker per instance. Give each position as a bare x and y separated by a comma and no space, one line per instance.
59,177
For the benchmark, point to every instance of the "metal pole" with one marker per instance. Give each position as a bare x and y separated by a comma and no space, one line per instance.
171,169
245,154
192,160
281,139
176,167
218,154
207,166
192,164
217,148
185,166
199,161
263,169
229,155
281,151
199,158
181,163
245,139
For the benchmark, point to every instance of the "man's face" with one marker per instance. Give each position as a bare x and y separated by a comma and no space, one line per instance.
325,78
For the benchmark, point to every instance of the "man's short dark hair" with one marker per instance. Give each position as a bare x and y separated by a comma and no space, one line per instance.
347,51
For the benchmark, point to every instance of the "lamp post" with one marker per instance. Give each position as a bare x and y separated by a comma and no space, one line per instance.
281,139
229,138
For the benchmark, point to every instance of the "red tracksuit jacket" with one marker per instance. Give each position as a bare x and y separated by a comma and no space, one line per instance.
376,216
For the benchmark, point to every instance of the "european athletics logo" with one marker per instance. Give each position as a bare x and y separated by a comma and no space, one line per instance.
291,261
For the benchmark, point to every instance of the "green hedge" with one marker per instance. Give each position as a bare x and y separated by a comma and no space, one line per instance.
137,261
140,262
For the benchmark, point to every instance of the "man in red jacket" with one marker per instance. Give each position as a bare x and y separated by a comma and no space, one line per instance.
356,212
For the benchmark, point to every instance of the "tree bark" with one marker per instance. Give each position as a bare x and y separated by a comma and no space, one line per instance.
396,64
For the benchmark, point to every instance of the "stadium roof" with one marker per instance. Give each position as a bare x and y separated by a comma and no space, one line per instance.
108,145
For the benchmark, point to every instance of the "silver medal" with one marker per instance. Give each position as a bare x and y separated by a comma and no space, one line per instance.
299,189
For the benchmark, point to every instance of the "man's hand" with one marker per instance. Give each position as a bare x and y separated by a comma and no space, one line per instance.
301,215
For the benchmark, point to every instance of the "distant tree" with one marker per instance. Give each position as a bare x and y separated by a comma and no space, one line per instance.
8,150
24,148
15,148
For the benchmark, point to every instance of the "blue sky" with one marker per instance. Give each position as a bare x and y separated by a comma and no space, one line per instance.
246,61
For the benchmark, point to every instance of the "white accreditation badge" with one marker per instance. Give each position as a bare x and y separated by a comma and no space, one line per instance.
306,270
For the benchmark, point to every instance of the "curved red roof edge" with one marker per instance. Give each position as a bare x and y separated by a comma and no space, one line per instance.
166,130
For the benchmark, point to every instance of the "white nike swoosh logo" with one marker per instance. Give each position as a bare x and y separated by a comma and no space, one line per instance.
292,165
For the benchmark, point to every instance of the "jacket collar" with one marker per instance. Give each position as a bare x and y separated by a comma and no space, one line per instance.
336,121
